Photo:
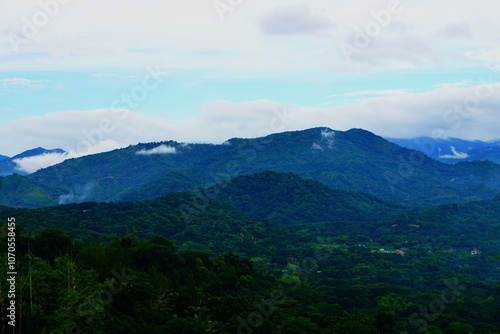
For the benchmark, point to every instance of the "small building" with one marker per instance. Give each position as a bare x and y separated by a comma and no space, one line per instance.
475,251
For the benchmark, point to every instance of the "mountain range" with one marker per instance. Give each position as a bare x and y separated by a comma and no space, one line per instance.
453,150
277,207
344,260
355,160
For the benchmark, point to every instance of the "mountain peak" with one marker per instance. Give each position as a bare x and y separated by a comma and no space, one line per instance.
37,151
361,133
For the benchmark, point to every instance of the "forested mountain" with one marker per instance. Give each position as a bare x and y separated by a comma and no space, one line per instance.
453,150
276,201
341,262
353,160
287,199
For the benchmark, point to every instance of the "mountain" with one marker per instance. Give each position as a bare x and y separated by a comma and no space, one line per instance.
286,199
8,166
453,150
351,160
277,206
36,152
307,258
26,193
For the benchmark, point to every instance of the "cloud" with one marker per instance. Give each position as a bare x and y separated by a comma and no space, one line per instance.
492,55
104,75
467,112
490,58
399,44
366,93
294,20
455,155
162,149
9,109
316,146
458,30
111,75
37,84
457,84
329,137
79,194
32,164
120,39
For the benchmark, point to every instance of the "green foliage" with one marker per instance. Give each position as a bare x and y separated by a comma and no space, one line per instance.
244,260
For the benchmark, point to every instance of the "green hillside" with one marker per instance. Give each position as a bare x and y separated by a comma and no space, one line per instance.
345,262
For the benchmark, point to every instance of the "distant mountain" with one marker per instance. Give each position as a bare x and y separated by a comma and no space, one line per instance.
8,166
453,150
351,160
37,151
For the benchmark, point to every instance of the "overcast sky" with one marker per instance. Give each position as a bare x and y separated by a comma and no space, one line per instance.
88,76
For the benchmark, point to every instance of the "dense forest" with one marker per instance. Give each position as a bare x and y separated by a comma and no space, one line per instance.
136,286
262,253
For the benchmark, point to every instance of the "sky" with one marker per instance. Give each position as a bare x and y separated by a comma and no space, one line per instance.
88,77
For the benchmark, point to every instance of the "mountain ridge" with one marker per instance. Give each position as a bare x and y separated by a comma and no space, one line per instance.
352,160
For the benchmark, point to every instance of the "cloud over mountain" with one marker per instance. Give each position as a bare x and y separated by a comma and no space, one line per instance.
162,149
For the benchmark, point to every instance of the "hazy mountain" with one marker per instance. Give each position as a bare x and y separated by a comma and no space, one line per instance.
351,160
8,166
453,150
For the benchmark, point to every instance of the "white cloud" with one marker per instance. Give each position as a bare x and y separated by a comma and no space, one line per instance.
162,149
37,84
32,164
490,58
366,93
103,75
399,44
451,109
492,55
111,75
455,155
329,137
175,32
316,146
